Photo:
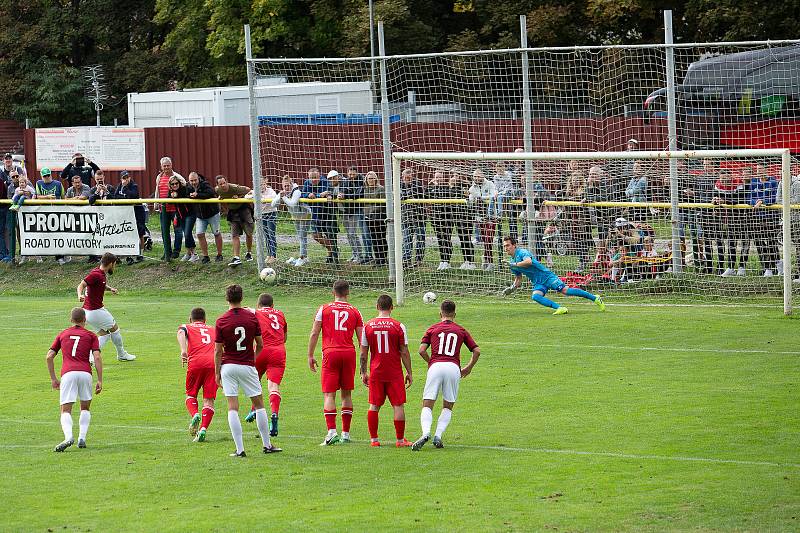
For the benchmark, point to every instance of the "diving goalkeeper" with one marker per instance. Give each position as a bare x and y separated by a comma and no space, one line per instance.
522,262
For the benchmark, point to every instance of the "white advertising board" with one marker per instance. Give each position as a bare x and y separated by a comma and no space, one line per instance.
108,148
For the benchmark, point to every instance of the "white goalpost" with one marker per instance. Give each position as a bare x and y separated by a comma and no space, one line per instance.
702,238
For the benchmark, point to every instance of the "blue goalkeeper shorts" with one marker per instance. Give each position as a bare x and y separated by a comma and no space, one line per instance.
554,284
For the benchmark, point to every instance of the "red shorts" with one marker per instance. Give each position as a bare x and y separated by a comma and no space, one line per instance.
201,377
272,361
338,371
379,390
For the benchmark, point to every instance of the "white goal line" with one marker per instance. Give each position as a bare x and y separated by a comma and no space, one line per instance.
560,156
515,449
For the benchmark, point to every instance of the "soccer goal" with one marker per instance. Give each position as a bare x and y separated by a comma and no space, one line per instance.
697,226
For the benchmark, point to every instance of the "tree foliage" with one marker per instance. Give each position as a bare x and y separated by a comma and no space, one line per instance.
148,45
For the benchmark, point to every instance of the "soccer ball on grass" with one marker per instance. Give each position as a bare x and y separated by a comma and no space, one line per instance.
268,275
429,297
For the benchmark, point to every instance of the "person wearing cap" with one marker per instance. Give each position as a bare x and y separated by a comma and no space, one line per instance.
49,189
79,166
127,190
315,187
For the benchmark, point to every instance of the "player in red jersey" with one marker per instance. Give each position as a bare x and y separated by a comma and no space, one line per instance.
272,359
90,291
76,344
387,340
196,340
444,371
236,333
338,321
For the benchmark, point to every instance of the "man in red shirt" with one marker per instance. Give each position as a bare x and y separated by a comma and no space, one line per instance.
90,291
77,344
444,371
272,359
338,321
196,340
387,340
236,333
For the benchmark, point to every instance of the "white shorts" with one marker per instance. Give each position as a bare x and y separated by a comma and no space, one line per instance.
442,376
203,223
244,376
100,319
76,385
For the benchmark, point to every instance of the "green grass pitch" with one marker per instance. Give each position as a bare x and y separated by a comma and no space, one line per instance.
641,418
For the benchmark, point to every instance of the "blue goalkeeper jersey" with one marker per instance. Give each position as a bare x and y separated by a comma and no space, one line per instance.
537,272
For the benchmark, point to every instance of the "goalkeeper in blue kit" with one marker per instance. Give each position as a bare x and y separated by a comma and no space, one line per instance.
522,263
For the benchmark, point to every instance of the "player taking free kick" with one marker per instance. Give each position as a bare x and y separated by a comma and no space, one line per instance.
444,371
236,333
272,359
76,344
386,339
338,321
196,340
90,292
523,262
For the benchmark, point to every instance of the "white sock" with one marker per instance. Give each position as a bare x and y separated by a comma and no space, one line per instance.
331,432
83,424
345,434
262,421
104,340
444,420
236,430
116,338
66,425
426,420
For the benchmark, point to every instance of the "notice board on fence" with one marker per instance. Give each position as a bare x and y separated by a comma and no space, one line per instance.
78,230
109,148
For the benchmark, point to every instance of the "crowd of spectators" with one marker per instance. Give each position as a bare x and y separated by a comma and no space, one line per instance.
477,204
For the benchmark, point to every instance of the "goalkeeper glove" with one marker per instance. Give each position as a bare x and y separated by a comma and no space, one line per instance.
509,290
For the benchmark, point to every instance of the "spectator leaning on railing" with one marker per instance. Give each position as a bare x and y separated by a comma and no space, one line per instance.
207,215
78,190
239,216
375,214
352,188
269,220
289,195
167,210
11,217
48,189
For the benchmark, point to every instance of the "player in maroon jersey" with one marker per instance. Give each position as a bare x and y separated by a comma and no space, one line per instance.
76,344
386,339
196,340
444,371
236,333
338,321
91,291
272,359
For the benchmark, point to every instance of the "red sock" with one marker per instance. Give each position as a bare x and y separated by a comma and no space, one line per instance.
372,423
400,429
275,401
330,418
347,416
191,405
208,414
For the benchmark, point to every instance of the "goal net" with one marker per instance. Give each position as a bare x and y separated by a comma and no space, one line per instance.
603,221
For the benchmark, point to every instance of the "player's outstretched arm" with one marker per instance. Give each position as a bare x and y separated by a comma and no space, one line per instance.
423,352
312,344
81,290
51,355
476,353
405,357
98,366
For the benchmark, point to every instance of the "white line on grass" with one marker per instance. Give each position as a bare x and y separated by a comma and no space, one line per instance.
650,348
517,449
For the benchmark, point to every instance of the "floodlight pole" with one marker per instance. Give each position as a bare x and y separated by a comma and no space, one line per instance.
391,220
255,150
672,134
527,139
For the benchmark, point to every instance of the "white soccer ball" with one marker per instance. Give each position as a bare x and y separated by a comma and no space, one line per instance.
268,275
429,297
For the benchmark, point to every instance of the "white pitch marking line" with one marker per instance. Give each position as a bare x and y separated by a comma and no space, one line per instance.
651,348
618,455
